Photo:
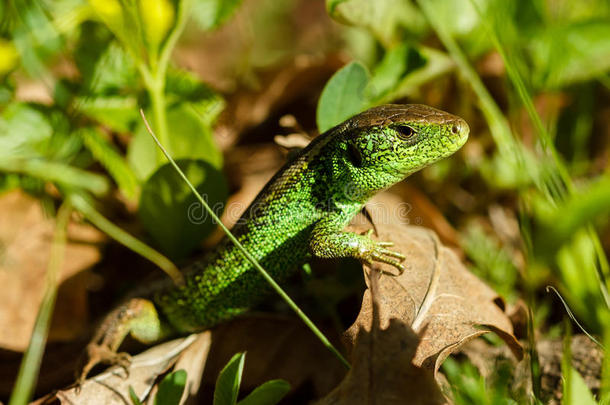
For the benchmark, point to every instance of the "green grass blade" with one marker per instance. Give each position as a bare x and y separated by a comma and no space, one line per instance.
30,364
57,173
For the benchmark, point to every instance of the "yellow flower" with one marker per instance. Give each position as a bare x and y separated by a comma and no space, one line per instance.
8,56
157,19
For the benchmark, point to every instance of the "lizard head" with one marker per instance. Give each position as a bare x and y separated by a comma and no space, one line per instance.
392,141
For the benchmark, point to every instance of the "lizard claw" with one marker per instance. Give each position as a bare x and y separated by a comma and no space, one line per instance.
377,251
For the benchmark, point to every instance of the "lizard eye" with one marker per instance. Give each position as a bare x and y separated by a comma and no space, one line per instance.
405,132
354,155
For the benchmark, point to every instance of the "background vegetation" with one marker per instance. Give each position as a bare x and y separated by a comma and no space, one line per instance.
527,199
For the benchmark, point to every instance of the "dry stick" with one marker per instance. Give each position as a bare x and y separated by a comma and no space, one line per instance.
247,255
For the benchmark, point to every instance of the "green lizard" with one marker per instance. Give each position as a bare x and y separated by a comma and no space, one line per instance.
300,213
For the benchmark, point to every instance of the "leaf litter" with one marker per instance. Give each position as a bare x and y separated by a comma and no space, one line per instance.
444,304
409,323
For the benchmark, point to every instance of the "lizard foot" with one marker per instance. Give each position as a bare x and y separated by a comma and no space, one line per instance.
101,354
377,251
138,318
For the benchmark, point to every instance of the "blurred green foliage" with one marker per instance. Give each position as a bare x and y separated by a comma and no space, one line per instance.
169,210
121,51
69,145
469,387
495,62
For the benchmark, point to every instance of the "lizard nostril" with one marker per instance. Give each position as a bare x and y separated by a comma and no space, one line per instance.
455,129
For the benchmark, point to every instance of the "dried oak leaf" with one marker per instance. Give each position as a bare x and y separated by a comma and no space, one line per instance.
382,365
112,386
276,346
444,304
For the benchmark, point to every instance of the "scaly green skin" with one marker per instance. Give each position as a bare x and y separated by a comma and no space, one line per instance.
301,212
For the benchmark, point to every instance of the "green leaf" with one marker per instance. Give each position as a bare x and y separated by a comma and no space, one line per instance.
386,19
269,393
577,266
190,137
561,223
184,86
572,53
36,38
171,388
229,380
111,159
134,397
423,66
210,14
24,130
113,70
116,112
63,174
577,393
389,71
343,96
93,41
172,215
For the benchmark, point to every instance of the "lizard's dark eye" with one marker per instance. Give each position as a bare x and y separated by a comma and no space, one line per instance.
405,132
354,155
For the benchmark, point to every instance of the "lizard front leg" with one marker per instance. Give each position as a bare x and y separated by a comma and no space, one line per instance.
138,317
327,240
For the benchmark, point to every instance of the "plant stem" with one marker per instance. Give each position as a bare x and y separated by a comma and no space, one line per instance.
157,98
183,8
155,76
248,256
30,364
126,239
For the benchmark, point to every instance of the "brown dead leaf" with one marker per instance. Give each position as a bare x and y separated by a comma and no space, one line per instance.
436,296
25,243
277,347
112,386
382,366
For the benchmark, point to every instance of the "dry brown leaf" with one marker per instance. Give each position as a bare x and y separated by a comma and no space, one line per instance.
277,347
112,386
193,361
25,243
436,296
382,366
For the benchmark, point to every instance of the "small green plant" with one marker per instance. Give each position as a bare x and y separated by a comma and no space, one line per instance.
469,387
226,391
171,389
